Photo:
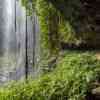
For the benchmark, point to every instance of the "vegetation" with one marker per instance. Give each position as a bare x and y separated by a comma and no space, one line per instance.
70,80
64,21
61,21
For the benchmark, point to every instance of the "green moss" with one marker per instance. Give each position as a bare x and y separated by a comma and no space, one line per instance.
49,31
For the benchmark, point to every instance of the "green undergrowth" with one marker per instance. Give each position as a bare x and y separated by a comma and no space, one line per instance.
70,80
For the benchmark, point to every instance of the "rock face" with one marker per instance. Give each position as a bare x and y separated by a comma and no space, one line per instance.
92,11
83,17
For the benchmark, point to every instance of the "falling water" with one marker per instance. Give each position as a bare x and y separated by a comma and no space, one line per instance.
13,28
7,38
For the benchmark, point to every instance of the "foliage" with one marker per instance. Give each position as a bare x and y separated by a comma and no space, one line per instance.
49,31
70,80
62,21
47,15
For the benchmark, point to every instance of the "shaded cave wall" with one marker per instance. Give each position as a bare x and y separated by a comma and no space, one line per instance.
92,13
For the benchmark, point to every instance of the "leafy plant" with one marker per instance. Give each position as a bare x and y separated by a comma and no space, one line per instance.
70,80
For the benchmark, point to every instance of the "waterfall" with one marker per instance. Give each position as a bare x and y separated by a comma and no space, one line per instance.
14,26
7,38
